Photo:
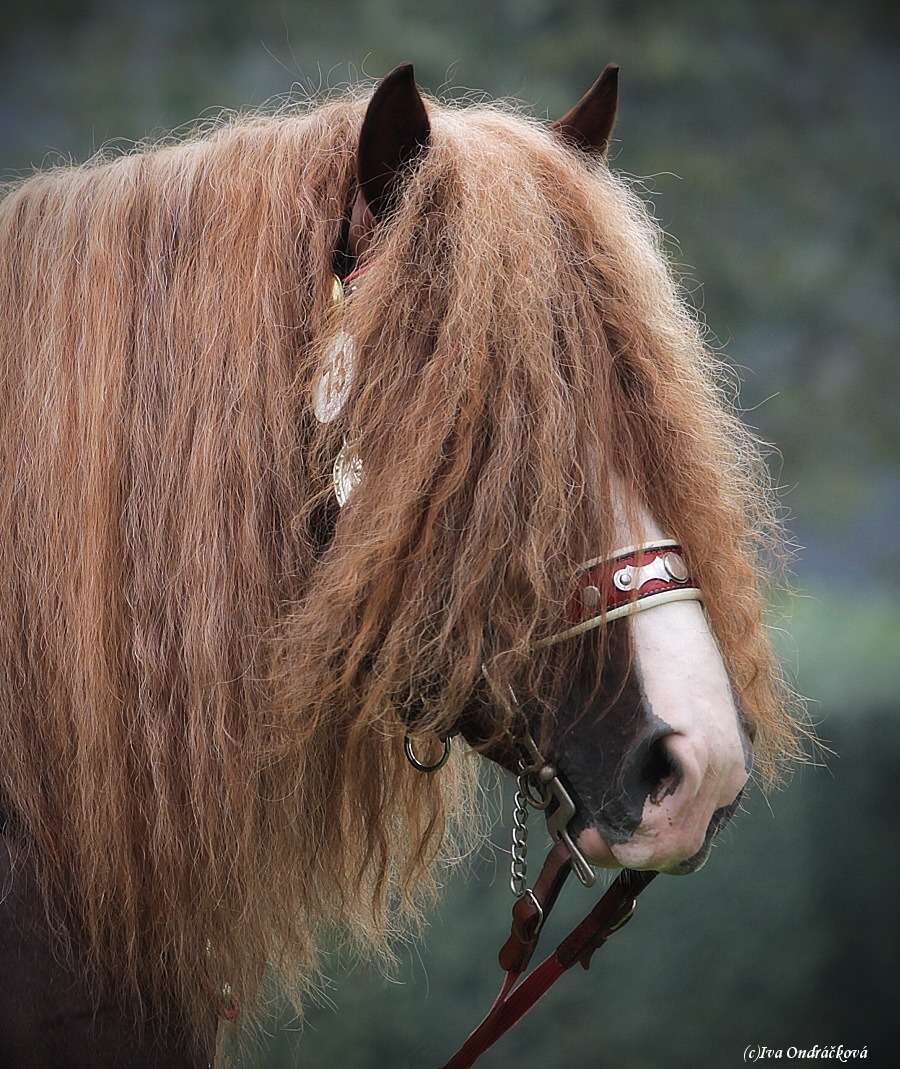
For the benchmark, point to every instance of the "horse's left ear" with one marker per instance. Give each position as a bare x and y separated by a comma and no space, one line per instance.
589,124
394,132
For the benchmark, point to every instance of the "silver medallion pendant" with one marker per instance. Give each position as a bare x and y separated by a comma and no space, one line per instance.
336,381
346,473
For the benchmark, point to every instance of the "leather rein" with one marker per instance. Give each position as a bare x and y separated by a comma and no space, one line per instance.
630,581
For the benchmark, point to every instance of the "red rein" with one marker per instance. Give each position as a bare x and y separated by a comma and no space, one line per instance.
529,913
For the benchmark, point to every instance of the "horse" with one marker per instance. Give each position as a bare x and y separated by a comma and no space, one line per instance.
329,436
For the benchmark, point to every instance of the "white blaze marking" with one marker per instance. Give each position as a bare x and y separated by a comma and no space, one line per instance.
686,684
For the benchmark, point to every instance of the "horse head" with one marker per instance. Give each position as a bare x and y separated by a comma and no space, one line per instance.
646,736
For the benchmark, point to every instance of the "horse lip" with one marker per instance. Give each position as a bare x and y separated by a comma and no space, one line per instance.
612,817
719,820
691,864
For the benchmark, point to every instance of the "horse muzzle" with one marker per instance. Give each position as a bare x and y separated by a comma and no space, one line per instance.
663,809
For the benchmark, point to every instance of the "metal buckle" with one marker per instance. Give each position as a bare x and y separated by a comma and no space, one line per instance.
539,923
623,920
548,783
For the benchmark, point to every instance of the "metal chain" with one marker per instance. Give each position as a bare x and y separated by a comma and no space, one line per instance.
518,868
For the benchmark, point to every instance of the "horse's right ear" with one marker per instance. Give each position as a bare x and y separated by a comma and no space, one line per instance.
394,132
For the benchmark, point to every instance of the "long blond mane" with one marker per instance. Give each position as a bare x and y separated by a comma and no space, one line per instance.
202,697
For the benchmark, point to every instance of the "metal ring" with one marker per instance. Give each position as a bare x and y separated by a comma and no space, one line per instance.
539,801
417,764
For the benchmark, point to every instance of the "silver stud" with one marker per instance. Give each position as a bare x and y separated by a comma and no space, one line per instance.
624,579
590,597
675,565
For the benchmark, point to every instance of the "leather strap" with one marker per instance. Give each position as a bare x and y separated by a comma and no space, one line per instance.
530,911
628,582
610,914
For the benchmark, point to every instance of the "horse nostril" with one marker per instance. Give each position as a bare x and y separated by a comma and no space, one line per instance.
661,770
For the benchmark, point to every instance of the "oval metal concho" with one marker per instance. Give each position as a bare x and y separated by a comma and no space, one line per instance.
346,473
335,382
677,567
337,291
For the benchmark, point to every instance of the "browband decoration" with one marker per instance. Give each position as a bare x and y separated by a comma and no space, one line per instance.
633,579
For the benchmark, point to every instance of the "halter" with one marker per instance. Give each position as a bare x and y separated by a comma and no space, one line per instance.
629,582
606,589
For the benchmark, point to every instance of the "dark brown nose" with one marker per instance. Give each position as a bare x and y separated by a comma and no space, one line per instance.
613,781
649,770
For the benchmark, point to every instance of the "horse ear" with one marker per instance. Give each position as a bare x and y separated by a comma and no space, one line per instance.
589,124
394,132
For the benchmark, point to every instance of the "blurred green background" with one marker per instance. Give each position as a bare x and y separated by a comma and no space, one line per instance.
767,139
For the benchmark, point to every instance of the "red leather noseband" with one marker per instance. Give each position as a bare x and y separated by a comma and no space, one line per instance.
630,581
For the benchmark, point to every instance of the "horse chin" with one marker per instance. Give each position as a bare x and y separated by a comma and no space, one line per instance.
721,818
600,854
598,851
691,864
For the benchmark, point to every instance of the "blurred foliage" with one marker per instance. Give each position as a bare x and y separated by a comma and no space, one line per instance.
769,134
844,652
